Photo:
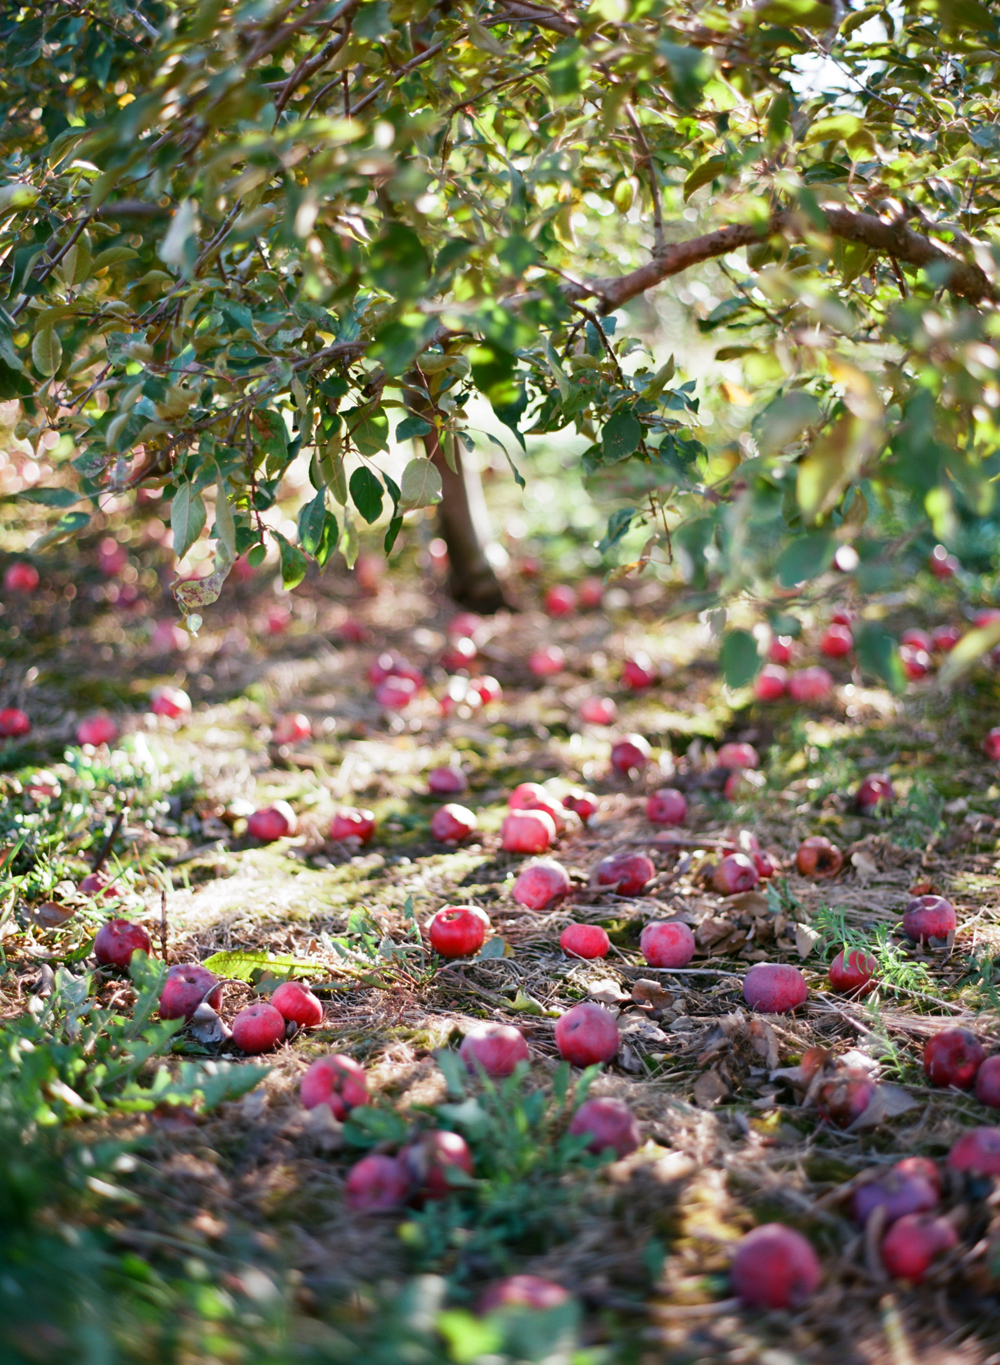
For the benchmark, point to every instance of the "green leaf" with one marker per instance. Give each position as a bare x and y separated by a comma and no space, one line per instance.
878,653
619,525
398,343
312,519
294,564
187,518
46,351
739,658
420,485
225,523
369,430
493,372
703,173
246,964
366,493
67,525
621,436
563,68
398,263
805,558
411,428
392,531
50,497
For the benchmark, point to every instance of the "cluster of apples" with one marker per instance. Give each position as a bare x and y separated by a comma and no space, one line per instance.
397,682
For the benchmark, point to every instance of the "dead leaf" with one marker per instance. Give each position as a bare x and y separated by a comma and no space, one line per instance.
749,903
864,865
651,993
642,1034
323,1129
806,939
888,1102
208,1027
709,1089
607,991
51,915
765,1041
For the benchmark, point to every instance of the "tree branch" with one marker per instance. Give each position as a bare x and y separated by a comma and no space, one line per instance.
888,237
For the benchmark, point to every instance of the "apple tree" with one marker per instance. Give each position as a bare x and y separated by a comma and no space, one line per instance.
236,234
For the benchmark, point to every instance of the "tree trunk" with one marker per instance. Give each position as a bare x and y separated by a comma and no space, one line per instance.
463,524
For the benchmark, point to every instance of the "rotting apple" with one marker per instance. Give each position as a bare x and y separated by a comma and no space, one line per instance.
117,940
912,1243
733,874
952,1057
377,1183
845,1096
988,1082
928,918
818,858
898,1192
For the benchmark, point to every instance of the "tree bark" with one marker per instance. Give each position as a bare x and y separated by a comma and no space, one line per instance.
464,527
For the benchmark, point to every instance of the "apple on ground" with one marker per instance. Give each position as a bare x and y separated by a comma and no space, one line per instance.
667,943
581,803
779,651
522,1291
988,1082
774,987
818,858
810,684
737,756
853,971
447,781
667,806
291,728
639,672
96,729
541,884
912,1243
942,564
277,821
170,702
845,1097
452,823
929,918
874,793
560,600
533,796
20,578
352,823
494,1048
587,1034
774,1267
977,1152
296,1003
459,654
432,1159
625,873
598,711
630,754
486,688
836,641
336,1081
258,1028
610,1125
585,940
96,884
376,1183
458,930
991,744
945,638
14,723
898,1192
117,940
547,661
591,593
952,1057
771,683
733,874
527,831
187,985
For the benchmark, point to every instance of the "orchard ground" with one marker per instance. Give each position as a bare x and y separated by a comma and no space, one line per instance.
239,1213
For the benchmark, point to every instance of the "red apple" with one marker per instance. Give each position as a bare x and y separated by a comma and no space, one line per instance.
952,1057
780,650
735,873
495,1048
991,744
452,823
14,723
625,873
533,796
771,683
377,1183
836,642
273,822
630,754
845,1097
917,639
916,662
598,711
560,600
843,616
818,858
581,803
942,564
487,689
912,1243
466,624
527,831
774,987
667,943
547,661
96,729
350,823
459,654
610,1125
186,986
945,638
117,940
522,1291
667,806
988,1082
430,1161
168,638
291,728
587,1034
762,860
737,756
258,1028
774,1267
810,684
585,940
929,917
20,577
639,672
395,694
855,972
171,702
296,1003
96,884
541,884
874,793
898,1192
336,1081
277,619
977,1151
458,930
591,593
446,781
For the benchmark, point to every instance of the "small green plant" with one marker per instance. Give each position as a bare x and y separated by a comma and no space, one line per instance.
896,971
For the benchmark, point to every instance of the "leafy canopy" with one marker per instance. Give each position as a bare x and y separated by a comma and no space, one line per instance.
236,235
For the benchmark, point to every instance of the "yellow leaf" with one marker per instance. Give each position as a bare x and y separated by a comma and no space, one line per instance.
735,393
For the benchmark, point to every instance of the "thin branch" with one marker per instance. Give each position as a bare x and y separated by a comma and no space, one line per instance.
646,155
308,66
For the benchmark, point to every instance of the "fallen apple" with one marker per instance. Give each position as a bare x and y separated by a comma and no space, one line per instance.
336,1081
587,1034
585,940
494,1048
458,930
